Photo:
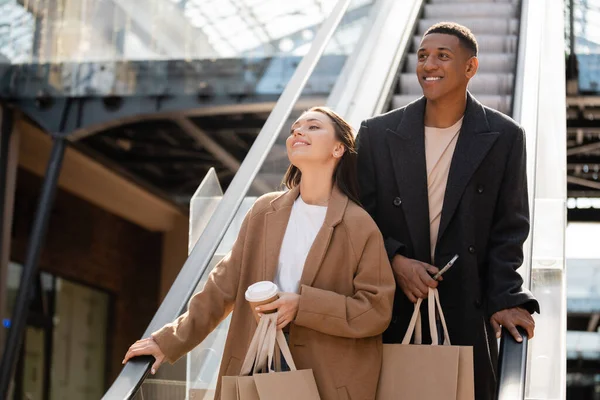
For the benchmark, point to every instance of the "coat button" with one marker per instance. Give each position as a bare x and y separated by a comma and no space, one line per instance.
477,303
480,189
397,201
472,249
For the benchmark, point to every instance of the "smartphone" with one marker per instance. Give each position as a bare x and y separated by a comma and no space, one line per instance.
446,267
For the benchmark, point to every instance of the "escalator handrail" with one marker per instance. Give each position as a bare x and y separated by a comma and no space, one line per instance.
511,366
133,374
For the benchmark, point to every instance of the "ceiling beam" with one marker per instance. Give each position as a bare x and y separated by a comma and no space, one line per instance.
583,101
302,104
590,130
93,182
217,150
583,149
593,324
583,182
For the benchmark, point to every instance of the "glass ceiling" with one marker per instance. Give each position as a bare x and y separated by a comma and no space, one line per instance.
40,31
16,31
242,26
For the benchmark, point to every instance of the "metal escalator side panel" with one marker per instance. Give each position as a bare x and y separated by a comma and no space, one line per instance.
537,368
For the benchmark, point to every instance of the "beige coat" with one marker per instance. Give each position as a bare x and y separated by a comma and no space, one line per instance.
346,296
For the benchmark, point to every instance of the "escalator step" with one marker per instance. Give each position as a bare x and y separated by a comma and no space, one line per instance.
495,26
484,83
487,43
474,1
471,10
488,62
498,102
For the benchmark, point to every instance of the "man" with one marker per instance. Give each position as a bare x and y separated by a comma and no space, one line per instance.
444,176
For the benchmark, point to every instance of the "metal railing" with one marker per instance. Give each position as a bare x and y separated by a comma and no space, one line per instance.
136,370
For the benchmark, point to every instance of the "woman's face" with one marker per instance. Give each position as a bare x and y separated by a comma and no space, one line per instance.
312,141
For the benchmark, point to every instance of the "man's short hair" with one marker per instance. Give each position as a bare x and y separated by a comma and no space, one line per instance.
464,34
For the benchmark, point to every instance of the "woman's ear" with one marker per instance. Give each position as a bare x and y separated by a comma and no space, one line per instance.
338,150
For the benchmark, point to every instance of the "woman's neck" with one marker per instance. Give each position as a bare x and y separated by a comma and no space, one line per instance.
315,187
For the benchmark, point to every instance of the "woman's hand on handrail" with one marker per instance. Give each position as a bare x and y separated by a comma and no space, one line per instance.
146,347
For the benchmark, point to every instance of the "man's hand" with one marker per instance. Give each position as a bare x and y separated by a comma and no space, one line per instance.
287,307
146,347
414,277
510,319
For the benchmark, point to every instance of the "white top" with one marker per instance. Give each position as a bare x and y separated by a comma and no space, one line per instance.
304,224
439,150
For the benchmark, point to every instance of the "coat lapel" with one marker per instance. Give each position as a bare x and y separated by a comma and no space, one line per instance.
474,142
276,222
335,213
407,147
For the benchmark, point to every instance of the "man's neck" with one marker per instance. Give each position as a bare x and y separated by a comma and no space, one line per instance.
444,113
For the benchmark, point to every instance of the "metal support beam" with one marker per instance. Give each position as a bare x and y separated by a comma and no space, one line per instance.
26,286
586,148
590,130
583,182
9,153
593,324
221,154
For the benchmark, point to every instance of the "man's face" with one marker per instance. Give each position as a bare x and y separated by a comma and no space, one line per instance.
444,66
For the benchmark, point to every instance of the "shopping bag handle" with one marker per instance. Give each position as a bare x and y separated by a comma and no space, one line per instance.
279,342
264,355
253,348
414,325
433,300
260,352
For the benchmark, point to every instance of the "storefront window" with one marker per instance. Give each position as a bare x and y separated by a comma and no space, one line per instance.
64,348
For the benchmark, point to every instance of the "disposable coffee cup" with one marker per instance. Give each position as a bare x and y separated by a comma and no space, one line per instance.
260,293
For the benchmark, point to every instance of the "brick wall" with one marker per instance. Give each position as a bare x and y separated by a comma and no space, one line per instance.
91,246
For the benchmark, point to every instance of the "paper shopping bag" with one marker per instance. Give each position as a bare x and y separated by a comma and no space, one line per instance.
426,372
270,385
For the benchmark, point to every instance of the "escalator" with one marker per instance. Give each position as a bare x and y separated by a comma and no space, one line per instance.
495,24
516,40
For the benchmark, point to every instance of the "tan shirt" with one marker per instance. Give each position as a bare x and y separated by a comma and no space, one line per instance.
439,149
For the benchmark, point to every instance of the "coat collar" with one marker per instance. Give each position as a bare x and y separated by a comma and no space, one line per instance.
276,222
407,145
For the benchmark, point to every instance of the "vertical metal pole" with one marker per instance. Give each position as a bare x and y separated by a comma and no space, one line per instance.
572,26
572,72
6,133
36,242
8,161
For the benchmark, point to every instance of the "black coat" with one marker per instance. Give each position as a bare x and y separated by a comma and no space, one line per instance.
485,220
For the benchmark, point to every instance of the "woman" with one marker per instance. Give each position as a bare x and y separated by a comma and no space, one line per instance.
327,257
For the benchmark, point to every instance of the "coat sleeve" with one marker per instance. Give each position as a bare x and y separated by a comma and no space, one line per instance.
367,181
207,308
509,230
364,314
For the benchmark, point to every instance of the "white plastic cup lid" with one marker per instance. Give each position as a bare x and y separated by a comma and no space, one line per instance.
261,291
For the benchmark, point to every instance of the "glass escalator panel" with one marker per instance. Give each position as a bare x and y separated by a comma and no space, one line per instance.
159,47
195,375
204,361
